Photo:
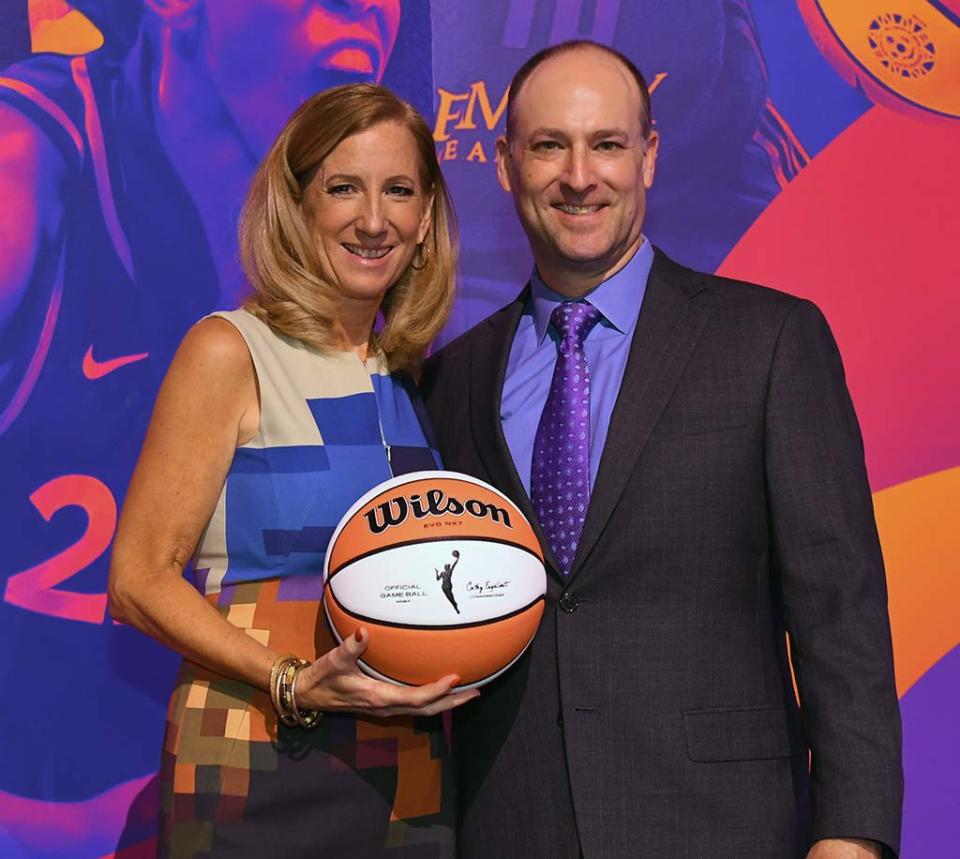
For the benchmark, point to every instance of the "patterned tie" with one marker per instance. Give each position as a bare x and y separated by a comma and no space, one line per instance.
560,476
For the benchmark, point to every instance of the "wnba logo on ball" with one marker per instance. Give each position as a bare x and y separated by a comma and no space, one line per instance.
394,511
904,54
446,576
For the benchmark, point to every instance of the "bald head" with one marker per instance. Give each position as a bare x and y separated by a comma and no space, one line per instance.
579,162
584,51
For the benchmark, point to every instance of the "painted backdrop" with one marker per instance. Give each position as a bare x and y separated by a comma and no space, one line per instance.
806,144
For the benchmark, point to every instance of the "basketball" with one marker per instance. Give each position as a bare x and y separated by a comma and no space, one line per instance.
444,572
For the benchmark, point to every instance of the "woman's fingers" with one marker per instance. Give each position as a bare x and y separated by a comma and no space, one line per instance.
447,702
343,658
421,696
425,700
335,682
439,705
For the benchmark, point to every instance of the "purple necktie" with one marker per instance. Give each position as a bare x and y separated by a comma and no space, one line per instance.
560,473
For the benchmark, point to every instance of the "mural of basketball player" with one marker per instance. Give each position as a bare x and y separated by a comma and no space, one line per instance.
447,575
122,172
181,87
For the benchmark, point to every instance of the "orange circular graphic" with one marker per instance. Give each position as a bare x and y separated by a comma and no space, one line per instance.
904,54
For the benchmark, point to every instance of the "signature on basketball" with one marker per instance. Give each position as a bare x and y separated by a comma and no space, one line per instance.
434,502
488,588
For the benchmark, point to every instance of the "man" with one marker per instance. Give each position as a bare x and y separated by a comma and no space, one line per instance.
688,449
706,72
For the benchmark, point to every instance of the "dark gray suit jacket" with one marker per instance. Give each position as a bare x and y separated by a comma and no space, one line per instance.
654,715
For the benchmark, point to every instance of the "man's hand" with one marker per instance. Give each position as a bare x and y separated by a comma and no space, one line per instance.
845,848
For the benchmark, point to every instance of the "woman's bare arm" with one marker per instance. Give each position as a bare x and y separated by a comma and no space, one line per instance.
206,407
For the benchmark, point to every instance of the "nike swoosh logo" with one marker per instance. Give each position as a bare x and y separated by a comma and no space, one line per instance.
94,369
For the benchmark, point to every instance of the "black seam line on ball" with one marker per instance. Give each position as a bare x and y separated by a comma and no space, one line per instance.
400,682
440,626
478,682
438,539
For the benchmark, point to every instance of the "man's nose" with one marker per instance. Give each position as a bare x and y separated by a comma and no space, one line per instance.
578,175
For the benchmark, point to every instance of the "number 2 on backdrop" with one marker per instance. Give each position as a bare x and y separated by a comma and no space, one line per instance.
34,589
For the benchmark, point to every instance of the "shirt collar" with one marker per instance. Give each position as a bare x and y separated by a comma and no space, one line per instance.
618,298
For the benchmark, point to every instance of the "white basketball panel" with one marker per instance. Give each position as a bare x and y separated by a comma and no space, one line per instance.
404,584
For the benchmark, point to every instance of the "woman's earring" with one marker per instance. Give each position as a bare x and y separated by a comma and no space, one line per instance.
419,261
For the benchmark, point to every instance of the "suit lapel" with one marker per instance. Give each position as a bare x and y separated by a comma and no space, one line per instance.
489,354
667,331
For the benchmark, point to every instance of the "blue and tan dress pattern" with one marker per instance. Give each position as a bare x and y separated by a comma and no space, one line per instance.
235,781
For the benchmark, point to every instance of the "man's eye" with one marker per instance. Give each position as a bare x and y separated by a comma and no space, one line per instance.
609,145
546,146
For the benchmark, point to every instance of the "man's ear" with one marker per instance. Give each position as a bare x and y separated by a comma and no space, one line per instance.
503,164
650,159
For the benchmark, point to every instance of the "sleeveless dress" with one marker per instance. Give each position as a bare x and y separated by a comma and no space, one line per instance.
235,782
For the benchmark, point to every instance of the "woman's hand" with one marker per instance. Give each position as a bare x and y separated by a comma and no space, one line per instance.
335,682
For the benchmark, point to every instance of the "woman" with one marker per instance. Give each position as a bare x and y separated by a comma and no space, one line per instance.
271,421
126,168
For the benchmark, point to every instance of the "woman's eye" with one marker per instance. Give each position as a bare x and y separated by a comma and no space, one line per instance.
400,191
342,188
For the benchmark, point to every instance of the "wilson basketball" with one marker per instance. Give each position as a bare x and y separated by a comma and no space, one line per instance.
443,571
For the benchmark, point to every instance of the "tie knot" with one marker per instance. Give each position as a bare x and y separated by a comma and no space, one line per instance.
574,320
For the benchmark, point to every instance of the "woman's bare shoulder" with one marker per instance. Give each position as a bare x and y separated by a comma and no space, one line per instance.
213,346
212,371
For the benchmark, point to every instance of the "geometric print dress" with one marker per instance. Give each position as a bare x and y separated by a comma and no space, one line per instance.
234,781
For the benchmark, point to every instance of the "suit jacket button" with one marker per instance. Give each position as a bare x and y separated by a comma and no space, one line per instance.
568,602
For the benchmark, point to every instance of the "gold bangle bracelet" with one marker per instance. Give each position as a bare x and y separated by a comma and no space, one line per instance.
283,678
284,684
275,675
305,718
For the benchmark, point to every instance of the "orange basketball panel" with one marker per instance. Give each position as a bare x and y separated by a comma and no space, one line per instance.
356,537
418,656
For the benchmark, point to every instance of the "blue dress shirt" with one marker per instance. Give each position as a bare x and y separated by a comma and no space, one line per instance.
533,355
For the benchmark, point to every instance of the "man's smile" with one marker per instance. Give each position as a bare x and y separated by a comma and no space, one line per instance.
569,209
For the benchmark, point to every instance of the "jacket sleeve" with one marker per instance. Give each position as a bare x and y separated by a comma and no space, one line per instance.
828,558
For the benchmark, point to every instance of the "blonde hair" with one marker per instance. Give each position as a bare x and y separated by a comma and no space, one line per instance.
278,252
